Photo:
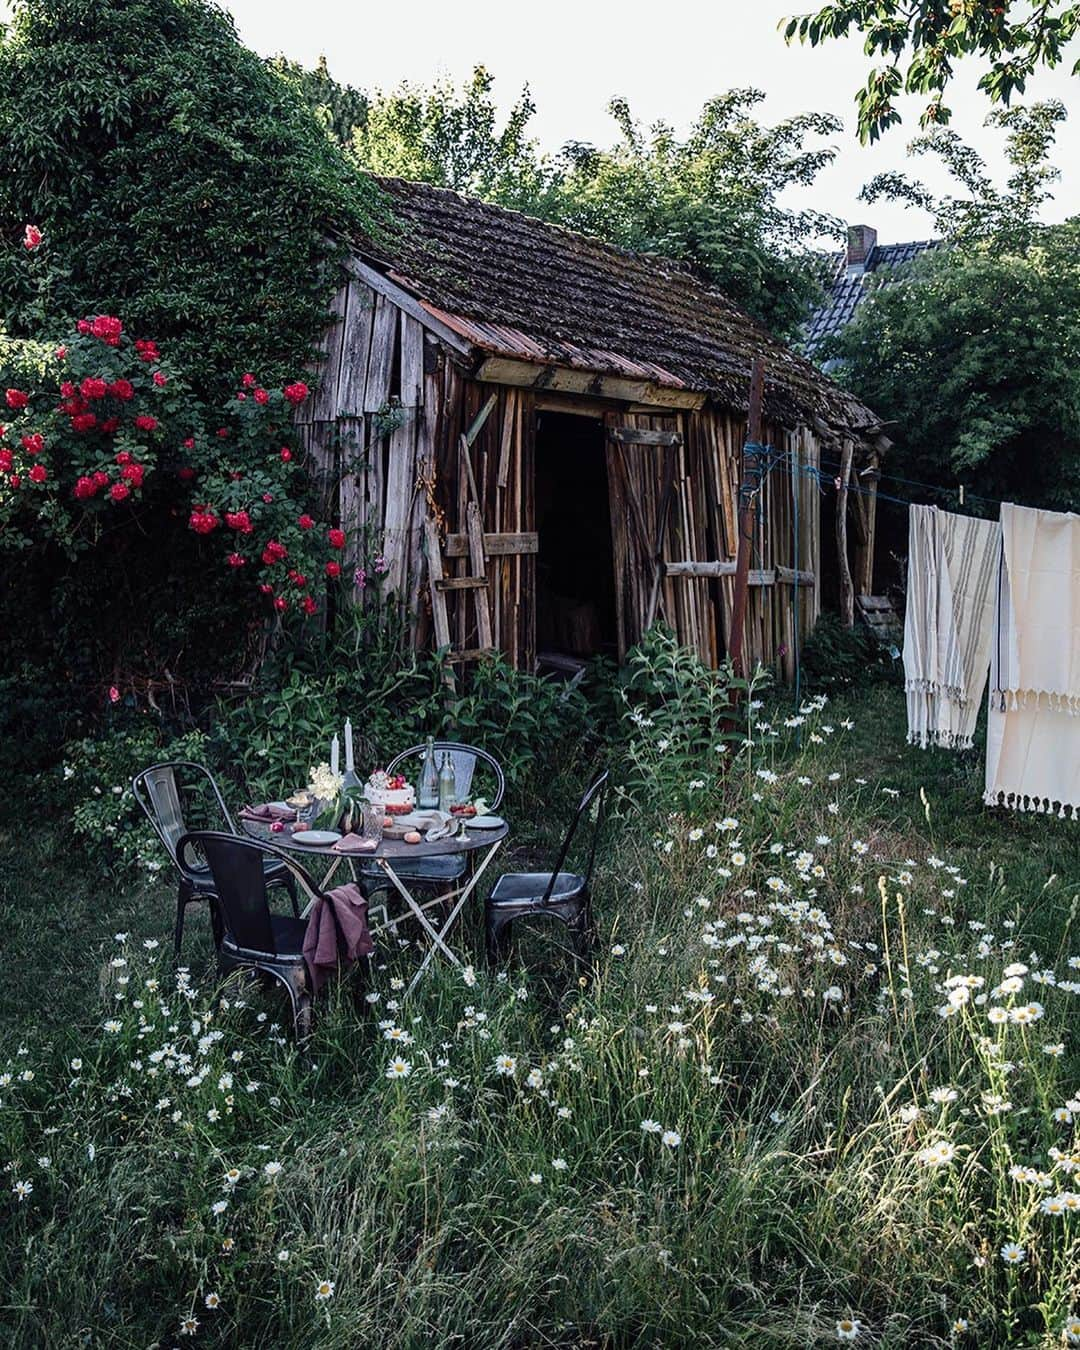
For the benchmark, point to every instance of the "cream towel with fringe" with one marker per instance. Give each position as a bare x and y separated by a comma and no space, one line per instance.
952,565
1033,736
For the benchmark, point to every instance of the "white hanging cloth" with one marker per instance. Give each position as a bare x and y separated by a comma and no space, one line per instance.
952,566
1033,736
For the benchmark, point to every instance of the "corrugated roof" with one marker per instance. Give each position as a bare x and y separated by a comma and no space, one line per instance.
518,286
846,291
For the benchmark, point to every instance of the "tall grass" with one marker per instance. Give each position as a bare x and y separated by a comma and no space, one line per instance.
782,1111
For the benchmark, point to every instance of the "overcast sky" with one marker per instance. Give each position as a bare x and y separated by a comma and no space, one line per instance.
666,58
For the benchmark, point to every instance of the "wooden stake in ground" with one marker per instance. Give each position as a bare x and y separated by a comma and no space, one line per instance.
847,589
747,504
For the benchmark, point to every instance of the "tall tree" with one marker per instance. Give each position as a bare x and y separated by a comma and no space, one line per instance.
921,41
178,180
975,357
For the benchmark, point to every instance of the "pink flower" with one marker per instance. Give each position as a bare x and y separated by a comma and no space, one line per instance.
16,399
336,538
145,422
359,578
119,492
296,392
160,379
32,237
107,329
286,454
38,473
114,694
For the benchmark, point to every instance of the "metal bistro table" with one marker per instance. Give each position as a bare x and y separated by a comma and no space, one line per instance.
396,851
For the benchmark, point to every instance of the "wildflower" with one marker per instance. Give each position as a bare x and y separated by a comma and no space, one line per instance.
1013,1254
671,1139
272,1169
398,1068
651,1126
506,1066
536,1178
324,1290
847,1328
937,1155
960,1326
112,1026
1071,1330
997,1016
212,1300
232,1176
535,1078
618,949
559,1164
834,994
283,1256
189,1326
219,1207
22,1189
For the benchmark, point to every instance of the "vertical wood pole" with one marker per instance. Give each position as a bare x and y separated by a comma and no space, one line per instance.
746,521
847,589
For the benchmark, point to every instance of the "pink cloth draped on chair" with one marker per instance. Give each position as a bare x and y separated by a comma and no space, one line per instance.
337,933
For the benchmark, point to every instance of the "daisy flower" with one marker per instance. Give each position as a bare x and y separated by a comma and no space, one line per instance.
324,1290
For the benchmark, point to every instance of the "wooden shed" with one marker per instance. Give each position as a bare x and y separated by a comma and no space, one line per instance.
541,435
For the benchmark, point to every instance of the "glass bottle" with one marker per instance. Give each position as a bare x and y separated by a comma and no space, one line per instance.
446,784
428,798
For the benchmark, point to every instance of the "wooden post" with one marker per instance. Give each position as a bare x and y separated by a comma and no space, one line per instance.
864,557
847,589
746,521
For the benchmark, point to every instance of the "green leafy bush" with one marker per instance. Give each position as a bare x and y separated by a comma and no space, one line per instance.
836,656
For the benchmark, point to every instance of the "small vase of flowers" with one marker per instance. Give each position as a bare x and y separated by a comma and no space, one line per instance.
337,803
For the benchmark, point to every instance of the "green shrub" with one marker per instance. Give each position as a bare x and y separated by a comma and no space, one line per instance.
836,656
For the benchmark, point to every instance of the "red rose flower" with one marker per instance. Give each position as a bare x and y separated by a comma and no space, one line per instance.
6,461
223,433
286,454
119,491
14,480
123,457
93,387
83,422
296,392
84,488
189,444
160,379
16,399
261,396
333,569
281,604
305,522
147,350
185,473
83,325
235,475
308,605
121,389
266,588
33,445
107,329
268,497
240,396
239,520
32,237
336,538
146,423
133,474
67,390
236,560
203,520
60,353
248,380
274,552
38,473
299,580
110,425
101,478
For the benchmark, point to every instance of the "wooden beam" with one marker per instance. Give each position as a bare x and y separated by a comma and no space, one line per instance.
461,583
746,521
495,545
701,569
475,530
435,572
637,436
864,554
408,304
479,420
789,577
565,380
847,588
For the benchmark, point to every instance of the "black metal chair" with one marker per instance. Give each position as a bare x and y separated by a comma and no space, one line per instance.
161,791
556,894
254,937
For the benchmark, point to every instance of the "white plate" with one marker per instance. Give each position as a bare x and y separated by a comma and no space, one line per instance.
316,837
281,806
485,823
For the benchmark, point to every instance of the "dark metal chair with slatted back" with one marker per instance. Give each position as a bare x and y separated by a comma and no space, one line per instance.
468,762
162,791
253,936
556,894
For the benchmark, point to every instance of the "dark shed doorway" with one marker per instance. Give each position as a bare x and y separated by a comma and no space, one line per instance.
575,582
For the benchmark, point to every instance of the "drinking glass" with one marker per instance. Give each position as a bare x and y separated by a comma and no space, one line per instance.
371,822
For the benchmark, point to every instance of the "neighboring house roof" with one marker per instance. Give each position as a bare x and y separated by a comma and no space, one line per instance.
852,281
519,287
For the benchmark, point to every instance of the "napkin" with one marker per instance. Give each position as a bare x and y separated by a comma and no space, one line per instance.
336,934
267,812
434,825
355,843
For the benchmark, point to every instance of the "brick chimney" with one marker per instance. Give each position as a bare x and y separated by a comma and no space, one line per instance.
860,244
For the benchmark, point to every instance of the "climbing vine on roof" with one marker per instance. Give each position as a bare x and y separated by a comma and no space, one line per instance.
179,179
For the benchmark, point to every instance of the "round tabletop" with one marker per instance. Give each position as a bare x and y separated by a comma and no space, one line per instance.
389,848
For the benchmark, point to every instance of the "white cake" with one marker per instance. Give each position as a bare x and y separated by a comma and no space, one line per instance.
394,795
